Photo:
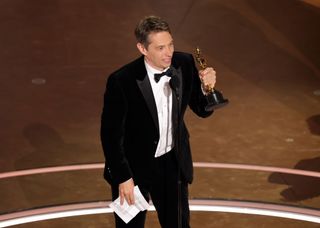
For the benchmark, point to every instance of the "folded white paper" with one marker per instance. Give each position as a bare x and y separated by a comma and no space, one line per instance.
127,212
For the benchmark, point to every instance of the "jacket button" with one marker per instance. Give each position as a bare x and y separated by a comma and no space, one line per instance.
155,142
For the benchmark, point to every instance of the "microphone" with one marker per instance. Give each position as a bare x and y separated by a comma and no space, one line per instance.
174,84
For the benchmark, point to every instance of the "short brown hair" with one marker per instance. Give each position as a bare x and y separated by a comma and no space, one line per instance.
148,25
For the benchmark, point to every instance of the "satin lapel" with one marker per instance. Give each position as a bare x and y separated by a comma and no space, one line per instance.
147,93
178,73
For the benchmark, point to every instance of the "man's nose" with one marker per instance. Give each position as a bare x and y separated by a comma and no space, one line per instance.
169,51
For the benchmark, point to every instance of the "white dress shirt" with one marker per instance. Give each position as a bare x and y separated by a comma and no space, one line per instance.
163,97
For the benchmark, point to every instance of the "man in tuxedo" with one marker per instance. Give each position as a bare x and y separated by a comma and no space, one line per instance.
143,134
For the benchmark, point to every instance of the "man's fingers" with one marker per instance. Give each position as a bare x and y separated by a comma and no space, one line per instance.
208,70
131,198
128,196
126,192
121,198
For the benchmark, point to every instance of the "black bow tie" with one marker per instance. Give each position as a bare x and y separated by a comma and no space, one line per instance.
158,76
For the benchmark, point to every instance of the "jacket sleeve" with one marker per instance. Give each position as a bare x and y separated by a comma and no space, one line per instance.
113,132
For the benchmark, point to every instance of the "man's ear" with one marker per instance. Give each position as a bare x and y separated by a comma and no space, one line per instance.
142,48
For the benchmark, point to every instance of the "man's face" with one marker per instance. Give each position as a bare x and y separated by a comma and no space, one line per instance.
160,50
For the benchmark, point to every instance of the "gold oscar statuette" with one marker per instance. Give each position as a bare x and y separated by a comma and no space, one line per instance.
214,97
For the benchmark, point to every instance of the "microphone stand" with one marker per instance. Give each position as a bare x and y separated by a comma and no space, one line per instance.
174,84
179,170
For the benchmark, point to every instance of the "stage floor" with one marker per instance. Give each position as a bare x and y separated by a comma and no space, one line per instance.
56,56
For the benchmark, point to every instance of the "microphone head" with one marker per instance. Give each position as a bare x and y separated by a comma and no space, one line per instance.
174,82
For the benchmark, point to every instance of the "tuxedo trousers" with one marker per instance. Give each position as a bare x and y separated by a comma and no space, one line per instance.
163,190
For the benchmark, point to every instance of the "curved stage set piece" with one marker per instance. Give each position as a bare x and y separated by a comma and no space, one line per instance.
311,215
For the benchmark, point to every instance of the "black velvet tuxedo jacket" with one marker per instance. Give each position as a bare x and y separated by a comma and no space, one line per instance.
129,123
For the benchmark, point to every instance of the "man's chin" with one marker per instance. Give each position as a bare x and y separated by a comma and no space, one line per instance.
166,64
